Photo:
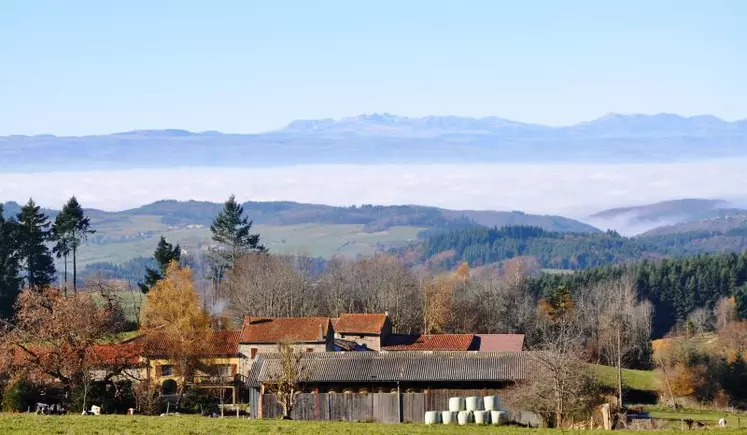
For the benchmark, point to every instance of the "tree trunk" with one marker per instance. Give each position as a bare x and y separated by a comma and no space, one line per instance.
75,269
619,370
65,285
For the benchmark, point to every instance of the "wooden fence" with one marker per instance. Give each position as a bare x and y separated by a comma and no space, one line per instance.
378,407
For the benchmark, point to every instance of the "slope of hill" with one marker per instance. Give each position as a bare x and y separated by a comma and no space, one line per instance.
482,246
385,138
287,227
722,221
684,209
659,217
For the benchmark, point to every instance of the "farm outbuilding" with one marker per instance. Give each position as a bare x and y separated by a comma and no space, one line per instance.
389,386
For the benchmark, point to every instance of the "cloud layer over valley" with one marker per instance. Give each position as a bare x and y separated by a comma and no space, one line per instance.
573,190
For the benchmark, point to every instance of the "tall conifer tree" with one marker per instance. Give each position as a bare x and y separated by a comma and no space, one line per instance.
77,227
32,237
232,232
10,284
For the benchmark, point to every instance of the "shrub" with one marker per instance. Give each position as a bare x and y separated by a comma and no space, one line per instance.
196,401
19,396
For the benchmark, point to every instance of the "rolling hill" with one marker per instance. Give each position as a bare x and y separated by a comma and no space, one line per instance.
671,217
288,227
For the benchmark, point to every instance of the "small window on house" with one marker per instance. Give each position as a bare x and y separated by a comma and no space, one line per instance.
222,369
253,353
309,349
167,370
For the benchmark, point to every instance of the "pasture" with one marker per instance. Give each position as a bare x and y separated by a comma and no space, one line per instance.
131,425
138,238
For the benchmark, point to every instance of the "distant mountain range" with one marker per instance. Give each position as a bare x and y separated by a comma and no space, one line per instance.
386,138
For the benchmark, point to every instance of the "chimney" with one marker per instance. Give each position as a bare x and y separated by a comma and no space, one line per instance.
321,333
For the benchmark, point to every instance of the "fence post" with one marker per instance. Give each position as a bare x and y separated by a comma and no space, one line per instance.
399,404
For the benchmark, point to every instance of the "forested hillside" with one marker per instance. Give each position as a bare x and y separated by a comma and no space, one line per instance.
676,287
480,246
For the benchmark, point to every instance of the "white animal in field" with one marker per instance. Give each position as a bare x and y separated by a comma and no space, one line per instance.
722,422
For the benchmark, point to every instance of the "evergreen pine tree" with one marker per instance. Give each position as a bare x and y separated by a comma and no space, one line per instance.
61,235
10,284
164,254
78,227
32,236
231,230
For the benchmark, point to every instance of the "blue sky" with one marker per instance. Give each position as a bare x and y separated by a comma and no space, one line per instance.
90,67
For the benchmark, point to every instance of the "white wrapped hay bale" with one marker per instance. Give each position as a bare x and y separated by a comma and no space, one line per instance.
432,417
492,403
448,417
456,404
482,417
464,417
498,417
472,403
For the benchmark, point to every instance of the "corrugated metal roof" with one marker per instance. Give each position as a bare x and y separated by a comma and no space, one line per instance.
403,366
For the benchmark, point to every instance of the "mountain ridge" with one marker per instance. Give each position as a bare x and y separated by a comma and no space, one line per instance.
389,139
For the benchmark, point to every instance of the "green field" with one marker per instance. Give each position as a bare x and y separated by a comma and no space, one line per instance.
706,415
111,424
140,235
643,380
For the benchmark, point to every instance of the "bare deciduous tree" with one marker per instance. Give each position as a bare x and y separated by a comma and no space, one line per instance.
625,325
725,312
59,338
562,386
505,305
702,320
260,284
285,382
374,285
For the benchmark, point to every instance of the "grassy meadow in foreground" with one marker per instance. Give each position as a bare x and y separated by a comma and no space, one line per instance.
120,424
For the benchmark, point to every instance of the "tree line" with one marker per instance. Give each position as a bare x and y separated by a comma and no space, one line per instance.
26,259
677,287
572,251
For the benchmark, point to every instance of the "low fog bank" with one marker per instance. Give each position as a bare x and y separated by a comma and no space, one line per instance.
573,190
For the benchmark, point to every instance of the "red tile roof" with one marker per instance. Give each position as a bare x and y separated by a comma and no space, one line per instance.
218,343
435,342
361,323
114,354
500,342
126,354
279,329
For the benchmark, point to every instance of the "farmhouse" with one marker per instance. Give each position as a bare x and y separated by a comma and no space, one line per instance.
353,354
219,365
